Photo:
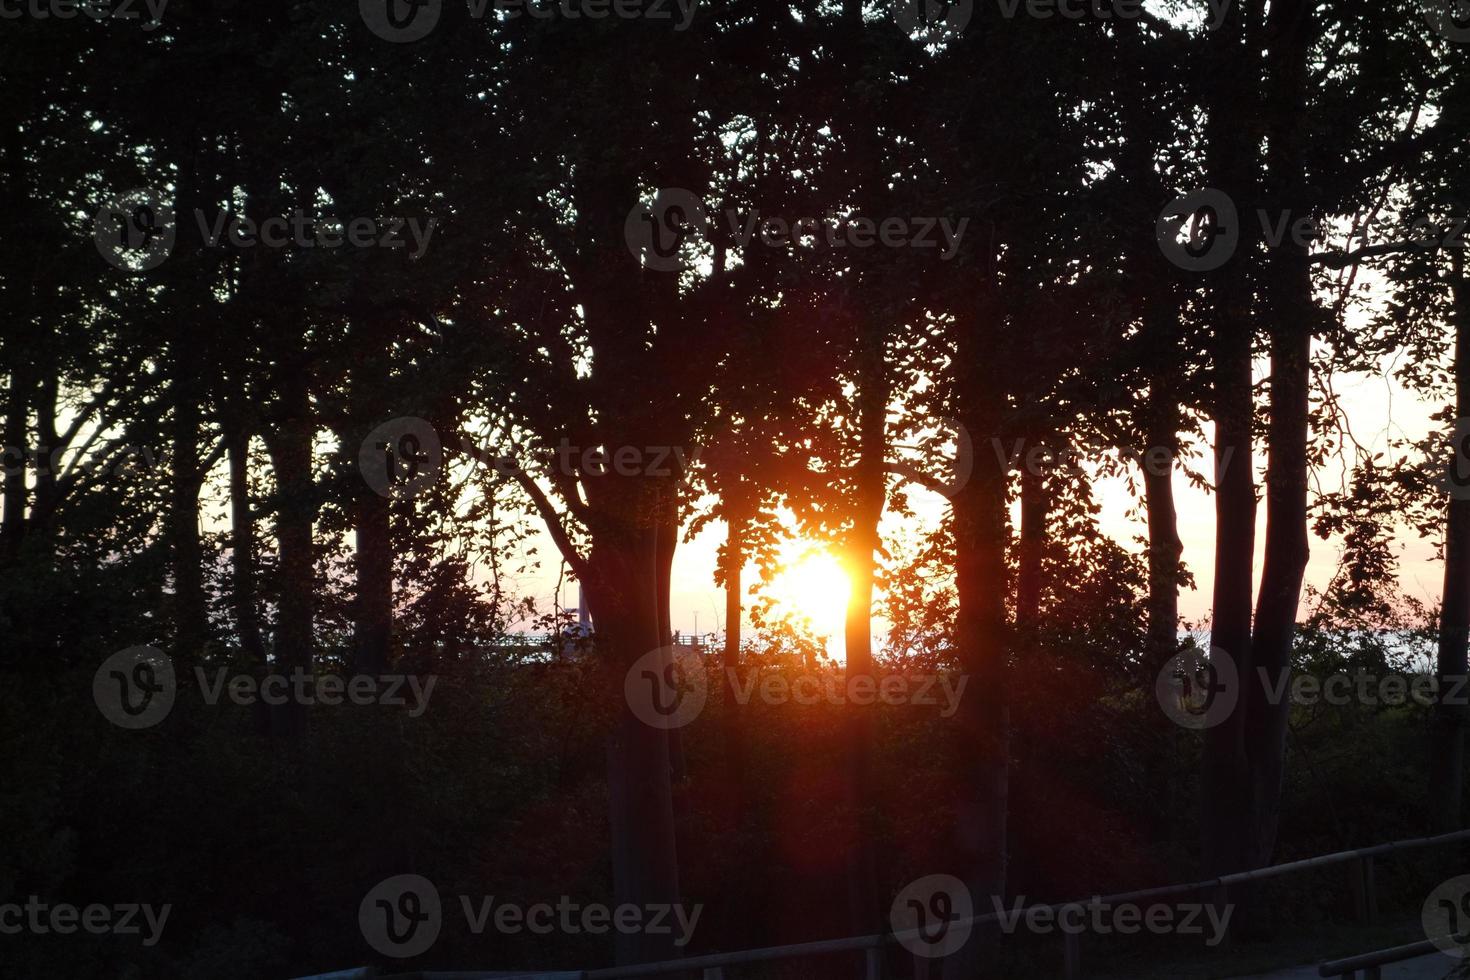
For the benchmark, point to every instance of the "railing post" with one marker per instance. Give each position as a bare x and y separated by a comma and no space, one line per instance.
873,962
1072,956
1365,892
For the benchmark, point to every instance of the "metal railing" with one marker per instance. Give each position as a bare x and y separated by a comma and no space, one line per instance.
1362,881
714,965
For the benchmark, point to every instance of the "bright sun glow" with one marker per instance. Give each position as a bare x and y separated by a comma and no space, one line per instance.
812,583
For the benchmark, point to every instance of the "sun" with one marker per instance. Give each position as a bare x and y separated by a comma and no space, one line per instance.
813,583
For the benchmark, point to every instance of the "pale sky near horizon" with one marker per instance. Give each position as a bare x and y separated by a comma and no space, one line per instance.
1377,409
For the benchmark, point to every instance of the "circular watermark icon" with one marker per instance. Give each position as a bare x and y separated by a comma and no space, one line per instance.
1450,19
401,21
1213,233
135,231
667,687
662,235
1197,692
401,458
933,916
957,471
1456,479
401,916
135,688
931,21
1446,916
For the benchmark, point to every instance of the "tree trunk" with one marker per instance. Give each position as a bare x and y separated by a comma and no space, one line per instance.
1231,151
1447,746
1288,291
862,865
191,623
1164,547
242,547
17,429
372,627
982,639
291,456
1034,507
622,589
734,716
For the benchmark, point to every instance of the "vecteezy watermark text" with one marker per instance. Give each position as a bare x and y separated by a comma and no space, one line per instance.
137,231
669,686
1201,231
1124,918
666,234
1039,458
404,21
403,457
96,10
401,917
41,918
53,462
136,688
1200,691
929,21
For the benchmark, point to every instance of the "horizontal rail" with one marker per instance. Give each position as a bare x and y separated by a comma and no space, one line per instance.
853,943
1365,961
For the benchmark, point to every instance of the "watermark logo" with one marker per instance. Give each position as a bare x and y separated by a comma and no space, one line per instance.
1457,474
401,916
933,916
404,21
1201,231
959,468
1450,19
1198,692
15,460
401,21
929,690
667,688
1125,918
931,21
1212,235
299,229
1446,916
96,10
401,457
135,231
135,688
955,471
125,919
665,234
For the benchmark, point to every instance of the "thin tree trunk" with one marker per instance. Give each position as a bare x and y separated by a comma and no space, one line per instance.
1447,746
1164,547
17,419
190,614
861,549
1288,288
49,442
291,457
734,717
1034,507
372,608
242,547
